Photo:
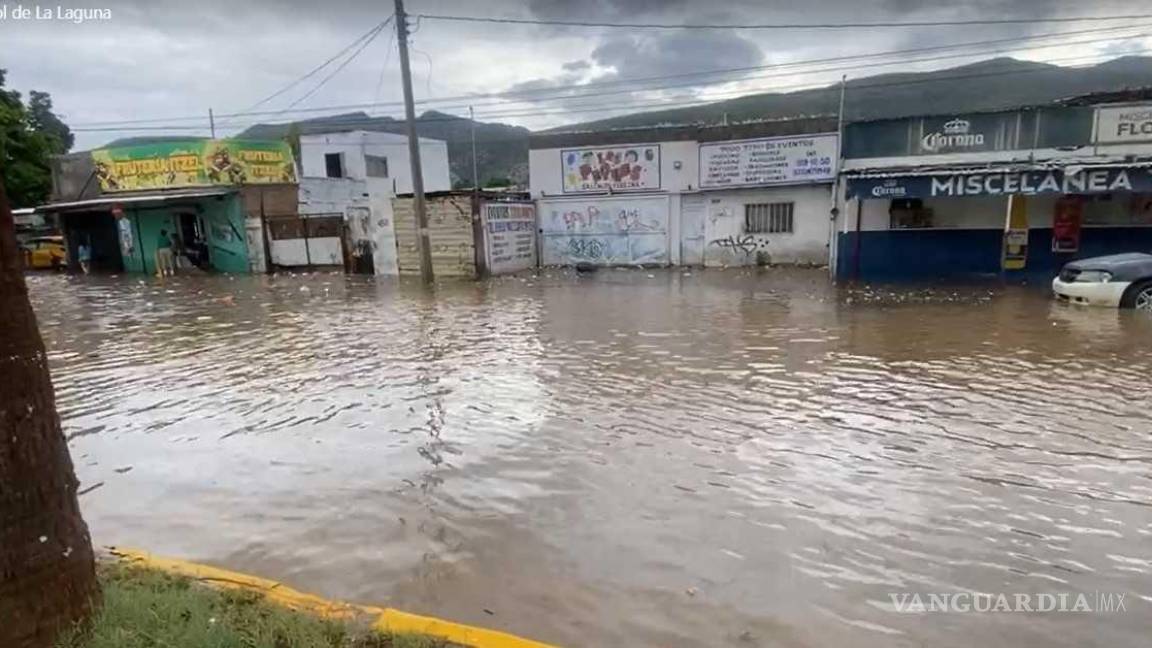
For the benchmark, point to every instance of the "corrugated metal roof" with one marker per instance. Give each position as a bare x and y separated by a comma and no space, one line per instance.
150,197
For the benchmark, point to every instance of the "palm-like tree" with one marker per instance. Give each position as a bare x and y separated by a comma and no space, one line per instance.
47,571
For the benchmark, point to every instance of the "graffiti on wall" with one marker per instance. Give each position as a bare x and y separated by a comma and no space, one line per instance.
605,231
744,243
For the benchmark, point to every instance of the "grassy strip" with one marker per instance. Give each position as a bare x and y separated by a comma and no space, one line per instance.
145,608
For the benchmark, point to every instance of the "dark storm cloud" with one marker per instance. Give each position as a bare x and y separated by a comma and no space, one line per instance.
636,56
620,57
164,58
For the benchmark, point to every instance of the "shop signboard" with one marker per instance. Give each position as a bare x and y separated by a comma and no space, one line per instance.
1015,252
510,236
1053,181
633,167
954,136
1124,124
194,163
769,161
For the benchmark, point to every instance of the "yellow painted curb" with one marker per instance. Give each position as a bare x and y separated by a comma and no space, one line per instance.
387,619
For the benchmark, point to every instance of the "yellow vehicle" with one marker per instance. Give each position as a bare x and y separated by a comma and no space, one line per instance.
45,252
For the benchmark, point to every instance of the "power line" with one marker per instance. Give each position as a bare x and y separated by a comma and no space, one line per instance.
842,68
384,67
317,68
342,65
553,91
845,25
661,105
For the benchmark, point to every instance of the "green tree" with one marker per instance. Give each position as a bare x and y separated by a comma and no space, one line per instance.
498,182
43,120
29,137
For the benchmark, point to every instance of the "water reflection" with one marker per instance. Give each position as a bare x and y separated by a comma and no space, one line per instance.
657,458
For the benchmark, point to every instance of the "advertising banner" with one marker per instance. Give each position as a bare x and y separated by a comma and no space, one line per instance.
1066,223
1124,124
768,161
194,163
510,236
616,168
1091,181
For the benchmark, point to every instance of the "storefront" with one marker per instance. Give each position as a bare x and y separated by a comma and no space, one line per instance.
963,223
198,196
755,193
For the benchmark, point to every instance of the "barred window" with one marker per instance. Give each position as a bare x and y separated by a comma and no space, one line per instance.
768,218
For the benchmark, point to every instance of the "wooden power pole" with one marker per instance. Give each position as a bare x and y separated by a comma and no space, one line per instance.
413,148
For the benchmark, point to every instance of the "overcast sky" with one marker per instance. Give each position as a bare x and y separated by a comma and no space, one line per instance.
168,61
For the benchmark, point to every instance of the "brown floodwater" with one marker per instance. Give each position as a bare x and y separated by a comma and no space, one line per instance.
628,458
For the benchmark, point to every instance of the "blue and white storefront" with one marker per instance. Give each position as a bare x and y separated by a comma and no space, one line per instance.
955,197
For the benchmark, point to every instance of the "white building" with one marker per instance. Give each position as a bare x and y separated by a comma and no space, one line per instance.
356,174
380,158
749,194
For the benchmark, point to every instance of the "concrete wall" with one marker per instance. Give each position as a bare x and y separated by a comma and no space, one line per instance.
356,144
727,243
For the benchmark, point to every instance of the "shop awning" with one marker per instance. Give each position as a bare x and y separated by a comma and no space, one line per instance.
154,198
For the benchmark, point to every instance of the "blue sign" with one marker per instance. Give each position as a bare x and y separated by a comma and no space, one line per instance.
1091,181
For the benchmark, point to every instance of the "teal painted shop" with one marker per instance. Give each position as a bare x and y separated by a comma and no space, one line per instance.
195,197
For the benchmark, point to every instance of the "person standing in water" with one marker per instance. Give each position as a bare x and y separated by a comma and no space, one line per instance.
165,257
84,255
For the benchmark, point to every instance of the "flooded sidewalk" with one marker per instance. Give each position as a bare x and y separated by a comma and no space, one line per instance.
625,458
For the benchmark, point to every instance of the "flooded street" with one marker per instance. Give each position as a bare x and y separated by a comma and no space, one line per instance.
629,458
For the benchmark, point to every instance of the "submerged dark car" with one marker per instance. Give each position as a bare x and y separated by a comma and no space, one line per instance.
1123,280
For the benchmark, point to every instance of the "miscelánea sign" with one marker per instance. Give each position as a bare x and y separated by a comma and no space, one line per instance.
1092,181
194,163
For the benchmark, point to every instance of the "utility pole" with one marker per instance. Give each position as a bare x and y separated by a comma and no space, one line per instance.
475,175
837,187
212,123
423,245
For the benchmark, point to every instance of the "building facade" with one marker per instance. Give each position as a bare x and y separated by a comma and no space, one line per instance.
206,198
354,176
1016,192
747,194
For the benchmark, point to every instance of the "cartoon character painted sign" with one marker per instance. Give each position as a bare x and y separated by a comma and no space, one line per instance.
612,168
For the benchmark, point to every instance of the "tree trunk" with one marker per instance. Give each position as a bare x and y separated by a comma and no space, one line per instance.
47,572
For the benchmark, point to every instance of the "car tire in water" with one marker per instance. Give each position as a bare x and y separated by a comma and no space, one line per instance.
1139,296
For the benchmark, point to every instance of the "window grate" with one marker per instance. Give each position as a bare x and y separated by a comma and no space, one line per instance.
334,165
768,218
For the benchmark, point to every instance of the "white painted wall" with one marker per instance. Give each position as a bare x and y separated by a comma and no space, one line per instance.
367,202
546,176
727,243
301,252
356,144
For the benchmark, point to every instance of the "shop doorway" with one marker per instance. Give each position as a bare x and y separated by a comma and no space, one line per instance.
98,230
193,245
